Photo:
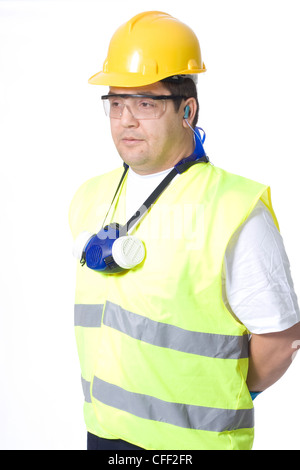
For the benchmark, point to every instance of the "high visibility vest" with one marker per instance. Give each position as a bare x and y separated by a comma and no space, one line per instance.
164,363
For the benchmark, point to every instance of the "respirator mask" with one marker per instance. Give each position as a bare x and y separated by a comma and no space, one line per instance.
112,250
109,251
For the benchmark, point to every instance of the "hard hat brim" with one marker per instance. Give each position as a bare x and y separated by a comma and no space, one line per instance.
135,79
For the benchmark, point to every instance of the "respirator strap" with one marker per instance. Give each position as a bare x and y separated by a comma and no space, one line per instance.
180,168
117,190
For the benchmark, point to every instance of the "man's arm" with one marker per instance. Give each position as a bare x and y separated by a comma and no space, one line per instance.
271,355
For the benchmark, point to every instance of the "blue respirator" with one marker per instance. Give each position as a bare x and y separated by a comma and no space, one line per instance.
112,250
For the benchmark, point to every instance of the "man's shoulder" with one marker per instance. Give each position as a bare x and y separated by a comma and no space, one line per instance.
98,182
107,177
233,181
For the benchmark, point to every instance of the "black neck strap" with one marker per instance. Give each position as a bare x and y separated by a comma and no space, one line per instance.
181,167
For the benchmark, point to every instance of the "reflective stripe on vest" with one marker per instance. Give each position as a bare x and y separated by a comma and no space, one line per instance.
178,414
162,334
173,337
86,386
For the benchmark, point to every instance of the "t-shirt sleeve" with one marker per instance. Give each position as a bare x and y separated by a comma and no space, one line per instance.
257,284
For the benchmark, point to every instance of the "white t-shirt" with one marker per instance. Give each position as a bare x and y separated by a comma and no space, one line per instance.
257,284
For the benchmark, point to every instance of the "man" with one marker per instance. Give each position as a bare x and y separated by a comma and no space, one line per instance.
163,338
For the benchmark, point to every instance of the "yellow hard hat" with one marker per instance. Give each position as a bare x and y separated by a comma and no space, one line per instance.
148,48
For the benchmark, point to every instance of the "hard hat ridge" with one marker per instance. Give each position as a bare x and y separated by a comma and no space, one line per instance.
149,16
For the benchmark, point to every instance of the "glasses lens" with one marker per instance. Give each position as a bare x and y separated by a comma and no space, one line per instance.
139,107
113,107
147,108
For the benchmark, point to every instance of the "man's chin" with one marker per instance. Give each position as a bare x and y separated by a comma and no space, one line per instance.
134,160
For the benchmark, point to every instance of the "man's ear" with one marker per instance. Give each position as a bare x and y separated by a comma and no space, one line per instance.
189,111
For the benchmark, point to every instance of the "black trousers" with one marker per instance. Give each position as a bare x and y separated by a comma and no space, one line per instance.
98,443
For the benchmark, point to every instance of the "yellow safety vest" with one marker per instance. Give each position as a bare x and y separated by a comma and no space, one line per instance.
164,363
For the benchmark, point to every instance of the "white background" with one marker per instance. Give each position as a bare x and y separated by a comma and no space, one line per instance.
54,136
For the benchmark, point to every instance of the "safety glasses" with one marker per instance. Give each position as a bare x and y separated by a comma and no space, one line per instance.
140,106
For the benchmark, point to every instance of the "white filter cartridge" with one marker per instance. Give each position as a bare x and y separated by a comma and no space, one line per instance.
128,251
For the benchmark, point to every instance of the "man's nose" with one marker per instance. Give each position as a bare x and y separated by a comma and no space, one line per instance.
127,118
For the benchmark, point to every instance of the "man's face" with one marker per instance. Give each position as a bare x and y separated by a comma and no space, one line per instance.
151,145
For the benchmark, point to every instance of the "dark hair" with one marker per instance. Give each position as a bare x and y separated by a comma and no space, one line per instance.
184,87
